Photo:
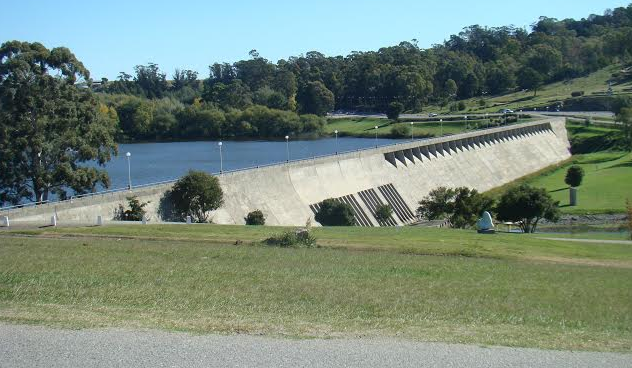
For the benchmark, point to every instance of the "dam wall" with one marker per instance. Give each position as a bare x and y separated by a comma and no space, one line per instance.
399,175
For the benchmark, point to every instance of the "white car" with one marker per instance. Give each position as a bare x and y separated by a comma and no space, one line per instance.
432,115
506,111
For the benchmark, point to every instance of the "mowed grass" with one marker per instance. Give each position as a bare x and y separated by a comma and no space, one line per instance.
365,127
606,186
415,283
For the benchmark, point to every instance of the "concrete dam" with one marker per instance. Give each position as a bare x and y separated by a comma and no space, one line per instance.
399,175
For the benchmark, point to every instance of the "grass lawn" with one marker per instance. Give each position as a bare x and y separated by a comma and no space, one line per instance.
606,186
415,283
365,127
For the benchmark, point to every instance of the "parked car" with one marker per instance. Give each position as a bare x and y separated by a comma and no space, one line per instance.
506,111
432,115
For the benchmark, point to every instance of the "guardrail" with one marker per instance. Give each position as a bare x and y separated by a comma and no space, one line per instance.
8,209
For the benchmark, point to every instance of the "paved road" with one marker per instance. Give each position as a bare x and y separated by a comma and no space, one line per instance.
31,346
604,114
594,241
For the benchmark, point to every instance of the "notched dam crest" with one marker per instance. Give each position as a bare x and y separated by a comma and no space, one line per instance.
432,151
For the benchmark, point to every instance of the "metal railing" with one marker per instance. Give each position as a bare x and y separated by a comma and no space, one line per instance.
5,210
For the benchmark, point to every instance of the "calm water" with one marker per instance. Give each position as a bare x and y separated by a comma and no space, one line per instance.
156,162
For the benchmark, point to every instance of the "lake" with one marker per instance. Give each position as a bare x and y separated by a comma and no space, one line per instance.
156,162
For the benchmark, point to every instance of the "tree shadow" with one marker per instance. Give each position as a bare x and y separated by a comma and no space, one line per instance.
558,190
166,210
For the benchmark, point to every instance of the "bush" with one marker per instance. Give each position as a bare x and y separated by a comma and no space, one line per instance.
196,194
577,93
574,176
333,213
135,213
400,131
383,212
292,238
461,106
255,217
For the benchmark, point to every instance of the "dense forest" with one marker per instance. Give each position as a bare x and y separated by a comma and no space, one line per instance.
258,98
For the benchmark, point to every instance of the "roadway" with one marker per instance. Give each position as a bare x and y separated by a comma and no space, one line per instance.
35,346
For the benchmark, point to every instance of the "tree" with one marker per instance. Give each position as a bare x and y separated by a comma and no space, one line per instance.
334,213
527,205
196,194
468,206
437,204
400,130
529,78
49,126
316,99
461,206
383,212
574,176
255,217
151,80
394,110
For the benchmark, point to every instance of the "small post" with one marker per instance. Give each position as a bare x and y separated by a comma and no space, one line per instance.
412,131
53,220
573,196
5,220
144,220
376,136
99,220
287,147
188,220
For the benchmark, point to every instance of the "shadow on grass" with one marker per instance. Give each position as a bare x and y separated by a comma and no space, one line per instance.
558,190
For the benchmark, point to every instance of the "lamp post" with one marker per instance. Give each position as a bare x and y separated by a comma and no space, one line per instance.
467,125
221,159
376,136
336,132
287,147
441,126
412,131
129,171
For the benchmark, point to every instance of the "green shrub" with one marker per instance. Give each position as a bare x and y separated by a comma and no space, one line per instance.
255,217
292,238
136,210
461,106
383,212
577,93
334,213
400,131
195,195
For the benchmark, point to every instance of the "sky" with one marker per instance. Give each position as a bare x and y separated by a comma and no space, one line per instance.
112,36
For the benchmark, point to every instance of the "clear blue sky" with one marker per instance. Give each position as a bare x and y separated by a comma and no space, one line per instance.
113,36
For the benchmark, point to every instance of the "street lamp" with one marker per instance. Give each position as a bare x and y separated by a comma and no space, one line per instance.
467,124
221,159
376,136
441,125
412,131
336,132
129,171
287,147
